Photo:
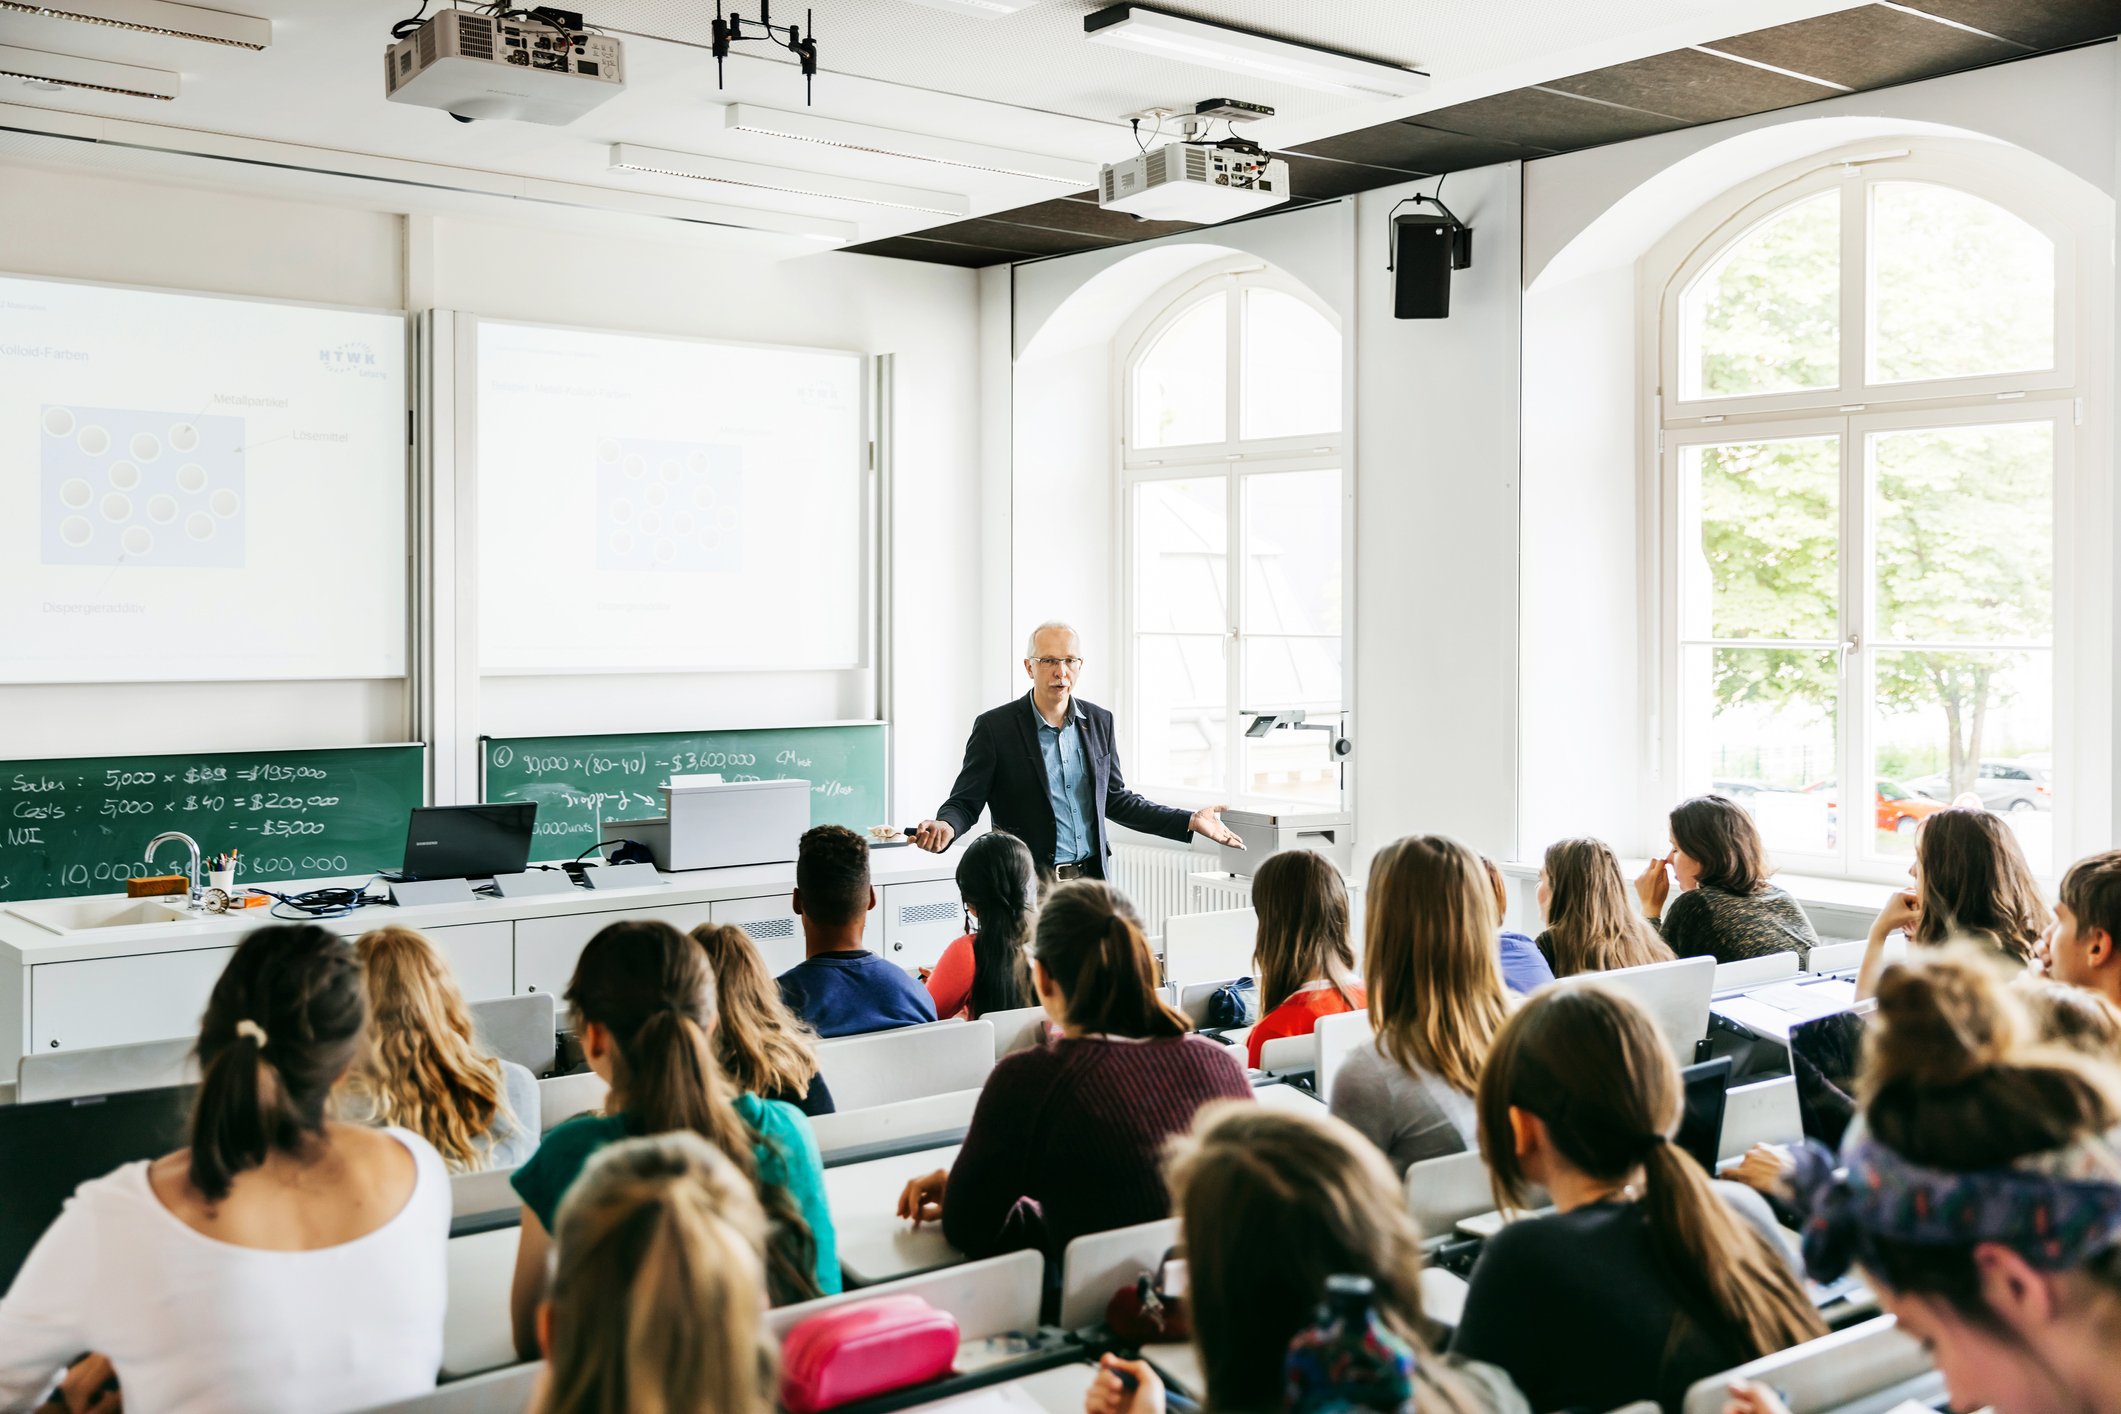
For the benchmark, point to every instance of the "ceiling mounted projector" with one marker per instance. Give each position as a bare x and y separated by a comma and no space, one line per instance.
472,65
1193,181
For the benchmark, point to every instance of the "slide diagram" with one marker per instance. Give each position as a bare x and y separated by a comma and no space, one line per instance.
668,507
126,487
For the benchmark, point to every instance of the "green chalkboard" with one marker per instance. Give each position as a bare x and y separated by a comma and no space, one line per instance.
579,781
78,825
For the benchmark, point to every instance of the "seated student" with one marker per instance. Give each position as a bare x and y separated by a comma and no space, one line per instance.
1591,926
422,1068
658,1286
1436,1001
2083,944
1525,969
841,988
1726,907
1271,1203
1300,953
989,970
282,1262
1069,1138
1972,883
1648,1276
761,1046
1980,1194
644,1005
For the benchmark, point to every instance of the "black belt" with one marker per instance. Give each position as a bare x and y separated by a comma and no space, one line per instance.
1080,869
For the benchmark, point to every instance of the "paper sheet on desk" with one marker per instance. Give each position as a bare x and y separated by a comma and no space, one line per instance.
996,1399
1806,999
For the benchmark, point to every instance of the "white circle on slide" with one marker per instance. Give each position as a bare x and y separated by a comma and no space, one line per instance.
725,517
76,492
665,552
670,471
711,540
162,509
225,503
634,467
58,422
682,524
655,495
138,540
607,451
183,437
117,508
622,543
146,446
698,462
199,526
75,530
94,440
191,477
124,475
622,511
651,523
703,495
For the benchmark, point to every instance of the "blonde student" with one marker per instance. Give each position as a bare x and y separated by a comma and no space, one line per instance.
659,1286
1436,996
761,1044
1592,925
422,1068
1301,959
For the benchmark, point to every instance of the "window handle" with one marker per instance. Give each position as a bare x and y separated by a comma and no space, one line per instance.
1850,645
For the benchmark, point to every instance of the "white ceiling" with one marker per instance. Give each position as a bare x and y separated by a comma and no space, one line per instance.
1029,81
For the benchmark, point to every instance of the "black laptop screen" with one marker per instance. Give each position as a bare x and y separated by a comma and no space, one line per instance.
1824,1055
469,841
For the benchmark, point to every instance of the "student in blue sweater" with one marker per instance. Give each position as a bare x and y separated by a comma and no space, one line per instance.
840,988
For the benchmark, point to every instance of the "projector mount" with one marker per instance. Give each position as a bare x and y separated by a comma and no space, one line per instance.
790,37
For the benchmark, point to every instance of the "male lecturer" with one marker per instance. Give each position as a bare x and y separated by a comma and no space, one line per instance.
1046,766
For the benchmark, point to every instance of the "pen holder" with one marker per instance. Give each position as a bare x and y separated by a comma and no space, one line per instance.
221,879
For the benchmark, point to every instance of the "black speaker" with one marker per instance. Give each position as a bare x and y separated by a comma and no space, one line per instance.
1423,253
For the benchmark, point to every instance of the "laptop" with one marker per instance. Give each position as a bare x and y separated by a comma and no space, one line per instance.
1825,1053
469,841
1708,1086
50,1148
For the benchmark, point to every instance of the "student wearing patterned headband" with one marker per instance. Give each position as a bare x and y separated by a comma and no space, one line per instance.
1981,1193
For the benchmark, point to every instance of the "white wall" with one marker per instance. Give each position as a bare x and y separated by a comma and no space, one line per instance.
1063,530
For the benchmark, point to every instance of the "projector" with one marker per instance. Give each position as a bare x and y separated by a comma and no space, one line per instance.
1196,182
472,65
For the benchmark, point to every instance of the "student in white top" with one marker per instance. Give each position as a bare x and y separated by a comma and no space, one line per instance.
282,1262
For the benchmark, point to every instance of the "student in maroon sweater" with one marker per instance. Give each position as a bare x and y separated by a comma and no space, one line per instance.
1069,1138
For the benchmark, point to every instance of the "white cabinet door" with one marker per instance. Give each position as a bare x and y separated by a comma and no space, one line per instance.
483,955
546,948
920,920
114,1001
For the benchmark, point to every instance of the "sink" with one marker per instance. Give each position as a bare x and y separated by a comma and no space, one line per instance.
80,914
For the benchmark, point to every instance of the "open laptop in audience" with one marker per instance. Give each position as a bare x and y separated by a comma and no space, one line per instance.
1824,1053
49,1149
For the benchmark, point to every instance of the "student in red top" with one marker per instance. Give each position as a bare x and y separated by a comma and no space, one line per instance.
987,970
1300,955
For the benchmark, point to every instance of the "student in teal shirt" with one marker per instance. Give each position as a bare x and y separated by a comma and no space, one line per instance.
644,1006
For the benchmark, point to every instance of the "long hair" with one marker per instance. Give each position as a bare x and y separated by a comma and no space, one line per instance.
422,1069
1303,927
998,878
658,1286
763,1046
1719,834
1591,1065
1272,1203
1976,884
1430,966
1090,943
650,987
282,1026
1592,924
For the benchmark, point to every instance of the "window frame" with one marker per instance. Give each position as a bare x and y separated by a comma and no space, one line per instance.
1854,410
1233,459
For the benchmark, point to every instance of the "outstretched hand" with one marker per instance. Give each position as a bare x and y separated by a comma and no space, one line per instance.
1208,821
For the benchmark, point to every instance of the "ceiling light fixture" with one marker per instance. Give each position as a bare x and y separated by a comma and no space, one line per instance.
156,17
626,157
99,75
1253,55
985,9
921,147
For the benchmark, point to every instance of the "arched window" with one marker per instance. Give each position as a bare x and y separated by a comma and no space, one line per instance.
1231,437
1866,433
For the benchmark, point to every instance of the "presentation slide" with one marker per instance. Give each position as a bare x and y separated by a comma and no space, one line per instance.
655,505
198,488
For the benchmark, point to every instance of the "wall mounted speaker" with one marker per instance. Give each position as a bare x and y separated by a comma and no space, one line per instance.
1423,255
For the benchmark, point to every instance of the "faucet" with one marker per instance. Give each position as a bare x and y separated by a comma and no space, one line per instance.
189,843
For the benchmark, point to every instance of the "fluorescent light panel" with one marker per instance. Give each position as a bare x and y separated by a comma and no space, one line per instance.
1254,55
156,17
626,157
984,9
98,74
921,147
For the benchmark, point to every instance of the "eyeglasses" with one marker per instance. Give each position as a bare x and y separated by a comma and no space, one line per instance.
1073,665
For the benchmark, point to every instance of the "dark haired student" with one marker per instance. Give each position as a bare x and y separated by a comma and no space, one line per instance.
840,988
1726,907
282,1262
1069,1138
989,969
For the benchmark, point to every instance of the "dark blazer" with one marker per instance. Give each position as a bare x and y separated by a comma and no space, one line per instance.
1005,773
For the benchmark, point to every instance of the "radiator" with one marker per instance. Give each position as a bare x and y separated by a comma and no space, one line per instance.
1158,880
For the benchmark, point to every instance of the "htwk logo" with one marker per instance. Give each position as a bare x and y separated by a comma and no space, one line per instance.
354,357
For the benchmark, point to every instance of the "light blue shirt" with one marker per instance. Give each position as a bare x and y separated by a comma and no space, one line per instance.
1069,788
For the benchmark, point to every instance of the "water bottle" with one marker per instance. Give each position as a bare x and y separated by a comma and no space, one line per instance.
1349,1359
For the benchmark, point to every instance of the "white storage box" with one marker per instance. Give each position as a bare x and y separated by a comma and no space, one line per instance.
1329,834
711,823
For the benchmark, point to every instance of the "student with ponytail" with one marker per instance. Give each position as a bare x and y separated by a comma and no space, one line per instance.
658,1287
282,1262
644,1005
1648,1276
1069,1138
990,969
